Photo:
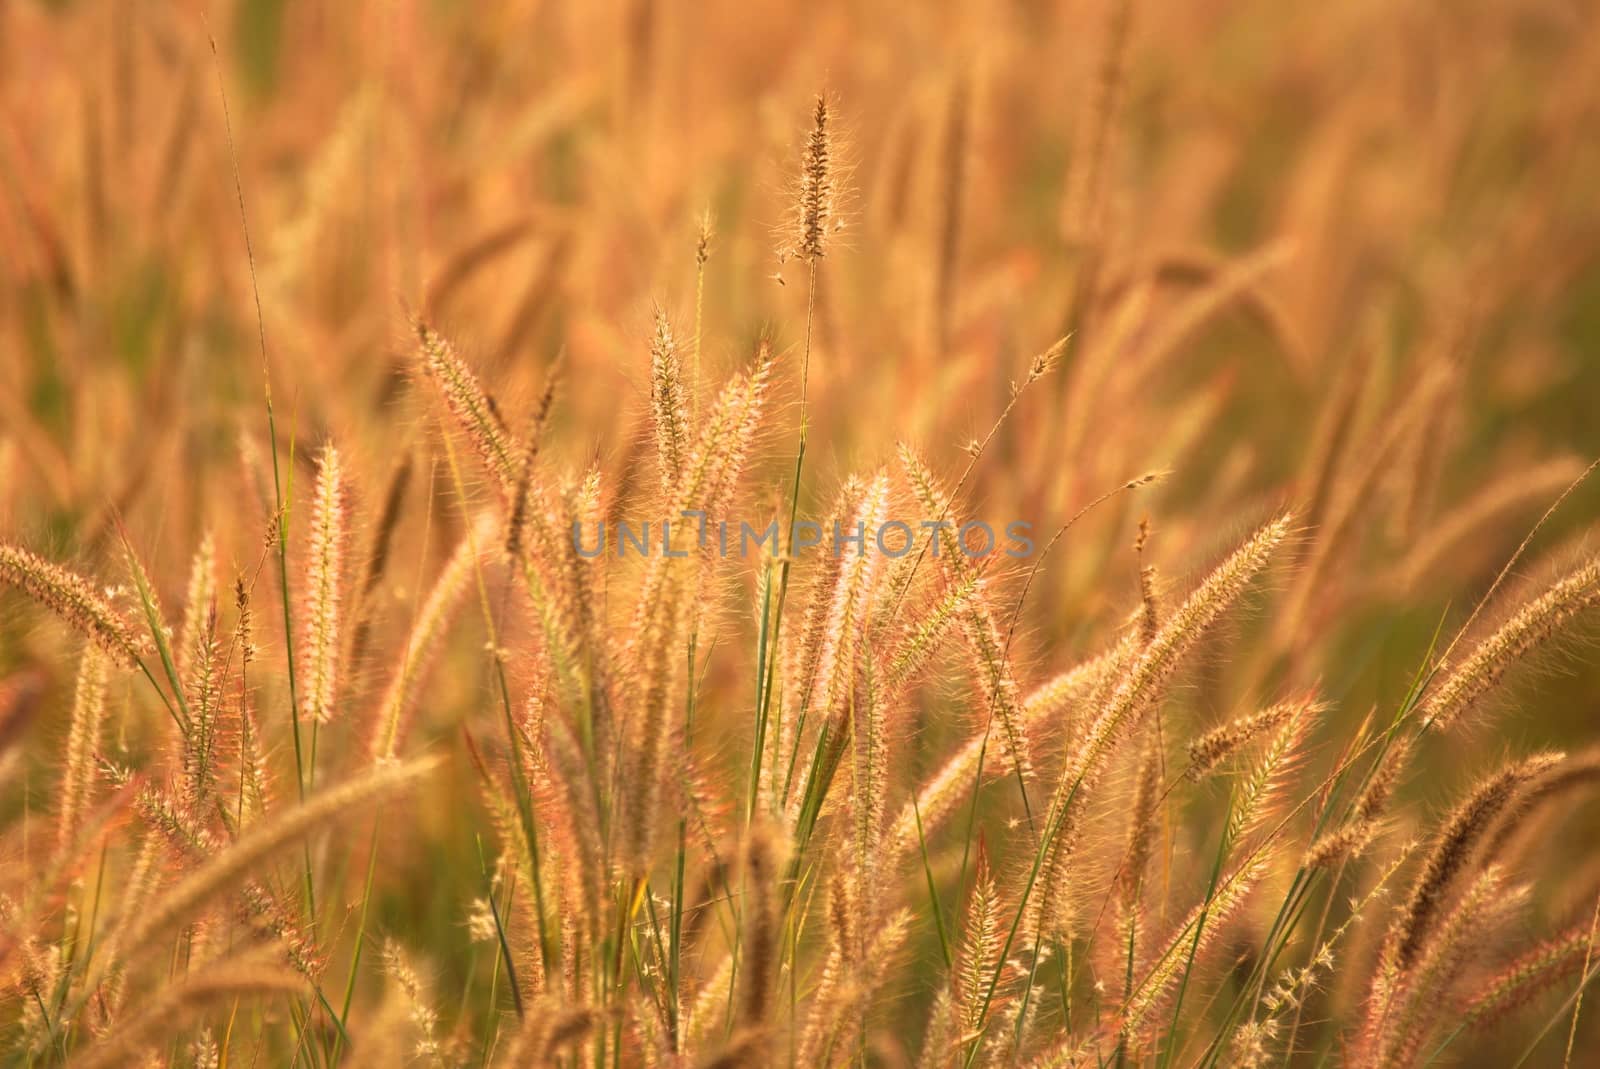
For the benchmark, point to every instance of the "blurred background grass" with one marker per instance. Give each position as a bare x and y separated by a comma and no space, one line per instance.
1268,226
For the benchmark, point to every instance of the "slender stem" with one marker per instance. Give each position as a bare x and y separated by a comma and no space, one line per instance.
518,780
933,891
1577,1005
361,940
765,695
282,488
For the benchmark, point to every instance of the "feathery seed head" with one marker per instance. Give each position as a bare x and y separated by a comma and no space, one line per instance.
1221,742
424,1019
1455,847
1190,938
1046,362
83,741
471,408
763,860
708,483
1519,981
1148,674
241,603
1345,842
702,246
324,588
72,598
1144,815
1528,628
1149,596
815,210
1407,1005
980,946
668,405
201,591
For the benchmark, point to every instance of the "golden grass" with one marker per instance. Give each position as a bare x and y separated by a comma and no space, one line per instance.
460,607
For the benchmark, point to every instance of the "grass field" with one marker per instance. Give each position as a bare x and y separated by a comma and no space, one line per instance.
722,535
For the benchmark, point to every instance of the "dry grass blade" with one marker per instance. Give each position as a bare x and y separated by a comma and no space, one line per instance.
237,862
187,997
